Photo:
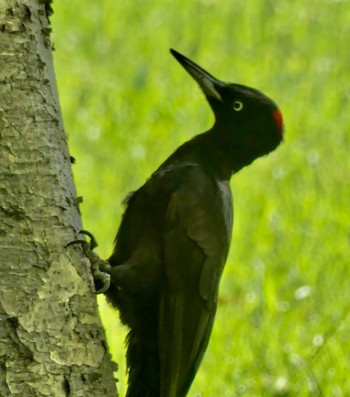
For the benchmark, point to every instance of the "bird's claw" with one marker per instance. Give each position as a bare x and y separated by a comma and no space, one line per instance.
99,268
89,245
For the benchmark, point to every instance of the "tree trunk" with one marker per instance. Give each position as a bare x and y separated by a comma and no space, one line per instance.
51,339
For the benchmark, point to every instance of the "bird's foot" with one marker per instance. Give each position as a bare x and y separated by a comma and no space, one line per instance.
100,269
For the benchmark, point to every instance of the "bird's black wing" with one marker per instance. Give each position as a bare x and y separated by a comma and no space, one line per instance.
197,233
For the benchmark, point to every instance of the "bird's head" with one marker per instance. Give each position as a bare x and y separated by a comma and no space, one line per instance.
247,119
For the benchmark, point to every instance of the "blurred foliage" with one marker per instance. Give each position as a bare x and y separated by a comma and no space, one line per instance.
282,327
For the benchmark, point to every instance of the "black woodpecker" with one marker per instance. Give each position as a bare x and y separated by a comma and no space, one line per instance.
175,235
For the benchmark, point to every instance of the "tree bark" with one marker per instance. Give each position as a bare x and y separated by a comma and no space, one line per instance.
51,339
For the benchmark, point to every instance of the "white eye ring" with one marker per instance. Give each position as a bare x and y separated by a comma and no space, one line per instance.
237,106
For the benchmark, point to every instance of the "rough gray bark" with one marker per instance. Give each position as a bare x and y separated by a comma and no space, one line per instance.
51,339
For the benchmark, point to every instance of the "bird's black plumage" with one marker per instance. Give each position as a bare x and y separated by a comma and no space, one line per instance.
174,239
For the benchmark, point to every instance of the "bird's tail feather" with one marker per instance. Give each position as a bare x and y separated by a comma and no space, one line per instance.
143,363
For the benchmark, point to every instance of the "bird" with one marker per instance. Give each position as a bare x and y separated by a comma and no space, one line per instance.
175,235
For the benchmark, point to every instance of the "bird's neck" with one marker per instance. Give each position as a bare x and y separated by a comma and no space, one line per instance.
218,152
208,150
210,153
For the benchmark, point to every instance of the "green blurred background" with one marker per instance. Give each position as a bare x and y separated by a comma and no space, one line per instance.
282,327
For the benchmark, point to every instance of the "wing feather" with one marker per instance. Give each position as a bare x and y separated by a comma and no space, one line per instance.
196,244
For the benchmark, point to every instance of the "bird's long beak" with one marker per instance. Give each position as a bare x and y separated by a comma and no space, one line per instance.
206,81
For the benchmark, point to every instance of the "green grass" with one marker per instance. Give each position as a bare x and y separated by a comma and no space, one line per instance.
282,327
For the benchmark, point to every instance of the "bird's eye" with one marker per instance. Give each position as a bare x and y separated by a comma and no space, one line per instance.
237,106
